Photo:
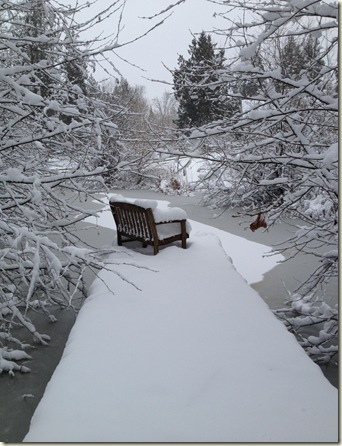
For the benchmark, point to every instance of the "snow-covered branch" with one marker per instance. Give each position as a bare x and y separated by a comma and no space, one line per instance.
53,129
278,153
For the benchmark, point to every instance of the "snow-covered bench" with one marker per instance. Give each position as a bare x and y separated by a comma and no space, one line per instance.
143,221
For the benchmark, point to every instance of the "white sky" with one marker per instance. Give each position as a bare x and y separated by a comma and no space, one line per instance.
164,44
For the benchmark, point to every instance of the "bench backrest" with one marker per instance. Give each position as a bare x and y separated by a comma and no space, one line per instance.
134,220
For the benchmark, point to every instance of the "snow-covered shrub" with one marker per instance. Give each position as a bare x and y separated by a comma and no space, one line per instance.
173,179
318,207
306,312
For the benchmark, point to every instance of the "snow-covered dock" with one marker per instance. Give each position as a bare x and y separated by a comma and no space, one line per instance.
199,358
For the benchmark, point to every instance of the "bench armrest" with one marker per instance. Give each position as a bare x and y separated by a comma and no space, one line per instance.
169,221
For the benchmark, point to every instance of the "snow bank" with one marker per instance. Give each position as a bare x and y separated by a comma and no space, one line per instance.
190,353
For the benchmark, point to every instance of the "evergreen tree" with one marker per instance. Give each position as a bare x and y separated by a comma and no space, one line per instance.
298,56
202,96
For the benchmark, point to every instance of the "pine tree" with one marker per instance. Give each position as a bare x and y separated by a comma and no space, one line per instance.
202,96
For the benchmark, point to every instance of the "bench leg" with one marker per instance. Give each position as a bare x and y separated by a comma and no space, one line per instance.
155,247
119,239
183,228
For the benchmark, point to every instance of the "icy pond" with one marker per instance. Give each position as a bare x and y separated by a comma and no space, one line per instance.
23,392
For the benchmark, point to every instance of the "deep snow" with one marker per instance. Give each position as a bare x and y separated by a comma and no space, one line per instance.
178,348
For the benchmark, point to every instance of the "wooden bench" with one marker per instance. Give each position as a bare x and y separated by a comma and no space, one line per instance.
137,223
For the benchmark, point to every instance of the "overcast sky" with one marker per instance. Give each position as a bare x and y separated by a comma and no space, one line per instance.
164,44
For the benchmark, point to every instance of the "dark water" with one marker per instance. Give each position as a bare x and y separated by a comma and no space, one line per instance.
16,410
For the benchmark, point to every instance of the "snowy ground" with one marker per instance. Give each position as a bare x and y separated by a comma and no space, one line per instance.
183,350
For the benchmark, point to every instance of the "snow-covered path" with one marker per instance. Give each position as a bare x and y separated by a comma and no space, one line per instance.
183,350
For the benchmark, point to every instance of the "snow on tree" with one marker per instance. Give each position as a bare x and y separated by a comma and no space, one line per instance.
202,98
128,157
278,155
164,110
53,127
